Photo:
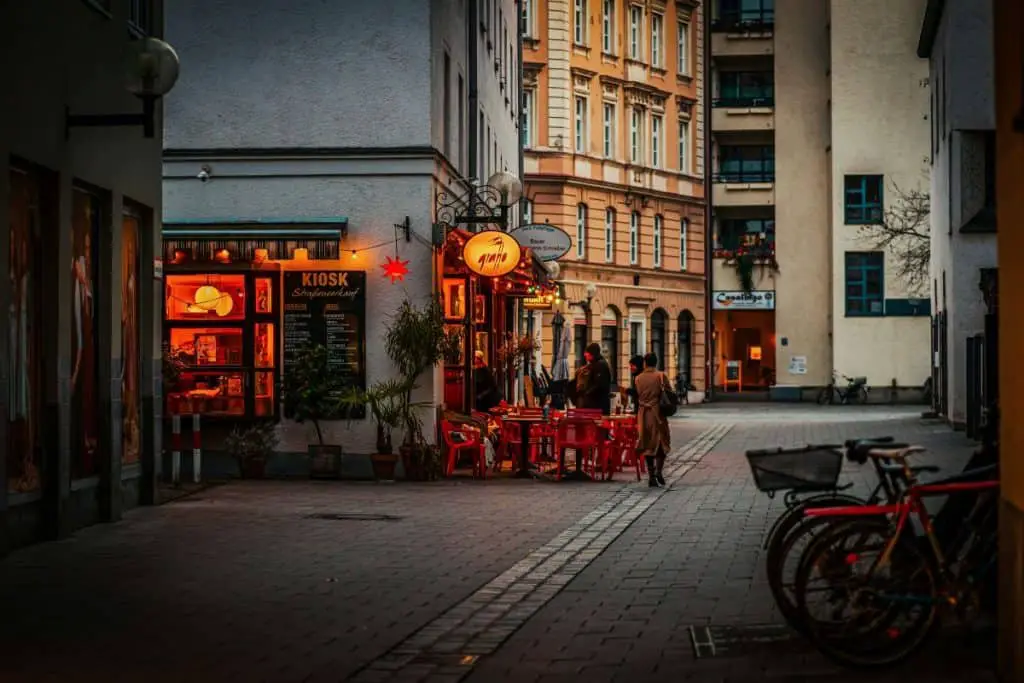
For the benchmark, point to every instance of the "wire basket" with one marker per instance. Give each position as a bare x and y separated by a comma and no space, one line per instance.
810,468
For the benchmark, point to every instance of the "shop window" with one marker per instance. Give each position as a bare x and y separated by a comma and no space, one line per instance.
610,347
131,360
197,298
684,347
264,295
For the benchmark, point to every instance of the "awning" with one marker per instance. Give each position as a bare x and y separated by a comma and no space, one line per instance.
202,239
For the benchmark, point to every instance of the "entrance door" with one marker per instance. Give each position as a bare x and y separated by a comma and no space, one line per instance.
743,340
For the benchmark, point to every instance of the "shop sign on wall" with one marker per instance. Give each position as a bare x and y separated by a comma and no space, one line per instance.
798,365
492,253
328,308
743,301
546,241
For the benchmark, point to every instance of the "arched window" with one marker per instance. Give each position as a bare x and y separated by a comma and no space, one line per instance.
684,348
658,325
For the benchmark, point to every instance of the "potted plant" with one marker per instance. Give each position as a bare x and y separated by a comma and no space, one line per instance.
384,400
310,391
416,341
251,447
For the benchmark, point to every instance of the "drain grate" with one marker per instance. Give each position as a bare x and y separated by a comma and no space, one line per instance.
353,517
723,641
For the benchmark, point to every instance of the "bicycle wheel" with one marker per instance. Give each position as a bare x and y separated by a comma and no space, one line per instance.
858,611
861,396
825,395
784,548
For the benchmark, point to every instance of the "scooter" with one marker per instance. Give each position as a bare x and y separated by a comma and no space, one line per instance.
856,390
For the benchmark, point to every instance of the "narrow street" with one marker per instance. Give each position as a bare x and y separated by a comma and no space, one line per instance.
505,580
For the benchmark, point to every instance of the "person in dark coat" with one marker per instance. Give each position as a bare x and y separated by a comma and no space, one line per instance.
485,388
594,382
636,366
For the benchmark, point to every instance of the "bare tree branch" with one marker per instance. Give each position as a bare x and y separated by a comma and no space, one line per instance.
905,234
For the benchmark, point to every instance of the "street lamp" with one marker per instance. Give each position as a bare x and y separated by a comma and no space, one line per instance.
481,205
151,70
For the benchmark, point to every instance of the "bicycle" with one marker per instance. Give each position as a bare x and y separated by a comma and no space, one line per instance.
856,390
910,571
781,469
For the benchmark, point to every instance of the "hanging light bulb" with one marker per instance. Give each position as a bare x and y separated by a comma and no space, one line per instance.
354,254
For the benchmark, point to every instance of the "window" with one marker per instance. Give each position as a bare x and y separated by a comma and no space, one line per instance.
684,146
865,291
863,199
634,238
656,141
580,22
527,18
87,302
140,15
657,241
610,344
684,346
636,136
659,321
527,211
581,124
745,14
527,115
446,120
637,343
739,233
745,89
684,253
609,235
657,25
636,27
747,164
581,231
608,26
683,48
609,130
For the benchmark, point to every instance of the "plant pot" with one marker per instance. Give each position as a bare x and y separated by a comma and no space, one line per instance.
418,463
254,468
384,466
324,461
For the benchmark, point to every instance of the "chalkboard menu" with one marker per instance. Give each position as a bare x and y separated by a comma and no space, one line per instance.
732,371
328,308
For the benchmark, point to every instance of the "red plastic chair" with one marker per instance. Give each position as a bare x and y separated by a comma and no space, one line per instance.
472,442
583,436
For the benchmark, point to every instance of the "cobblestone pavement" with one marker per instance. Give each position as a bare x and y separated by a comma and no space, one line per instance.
495,581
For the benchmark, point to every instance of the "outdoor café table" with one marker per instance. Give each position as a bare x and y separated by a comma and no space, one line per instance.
526,421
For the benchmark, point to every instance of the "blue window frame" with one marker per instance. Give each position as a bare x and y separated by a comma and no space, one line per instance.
863,194
746,164
734,233
745,89
865,283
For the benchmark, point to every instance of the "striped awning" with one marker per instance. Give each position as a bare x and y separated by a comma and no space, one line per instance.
201,240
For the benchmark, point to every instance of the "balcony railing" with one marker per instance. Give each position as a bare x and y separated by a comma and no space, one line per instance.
759,101
752,176
744,20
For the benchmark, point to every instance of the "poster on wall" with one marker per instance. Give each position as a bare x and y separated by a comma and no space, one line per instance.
131,266
85,220
328,308
798,365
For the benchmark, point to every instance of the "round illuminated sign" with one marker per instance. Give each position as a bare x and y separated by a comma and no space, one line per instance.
492,253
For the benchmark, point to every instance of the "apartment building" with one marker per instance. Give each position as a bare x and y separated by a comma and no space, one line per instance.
613,141
819,126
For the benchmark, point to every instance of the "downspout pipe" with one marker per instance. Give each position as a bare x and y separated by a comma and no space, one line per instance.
472,68
709,363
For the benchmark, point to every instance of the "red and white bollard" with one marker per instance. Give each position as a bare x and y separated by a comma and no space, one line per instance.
197,449
176,449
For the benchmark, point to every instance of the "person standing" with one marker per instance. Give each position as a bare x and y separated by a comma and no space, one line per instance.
485,387
594,382
654,439
636,366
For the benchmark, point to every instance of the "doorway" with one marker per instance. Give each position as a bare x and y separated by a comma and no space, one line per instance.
746,338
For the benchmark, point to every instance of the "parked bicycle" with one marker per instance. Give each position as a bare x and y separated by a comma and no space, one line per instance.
884,588
855,391
810,476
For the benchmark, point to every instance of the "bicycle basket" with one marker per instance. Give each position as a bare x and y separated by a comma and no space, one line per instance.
810,468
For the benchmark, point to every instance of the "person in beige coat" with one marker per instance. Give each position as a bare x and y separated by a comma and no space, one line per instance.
655,441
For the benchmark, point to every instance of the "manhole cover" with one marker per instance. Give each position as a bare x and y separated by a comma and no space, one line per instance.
353,517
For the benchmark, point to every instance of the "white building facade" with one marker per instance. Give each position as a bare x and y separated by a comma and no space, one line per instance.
332,123
956,37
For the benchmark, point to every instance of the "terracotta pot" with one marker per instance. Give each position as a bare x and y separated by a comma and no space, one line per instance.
384,466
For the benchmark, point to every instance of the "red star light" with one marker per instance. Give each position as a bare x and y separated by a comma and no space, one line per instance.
396,269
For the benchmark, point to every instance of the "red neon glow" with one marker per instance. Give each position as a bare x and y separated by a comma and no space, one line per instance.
396,269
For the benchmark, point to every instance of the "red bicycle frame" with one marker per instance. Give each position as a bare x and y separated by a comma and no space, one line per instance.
911,504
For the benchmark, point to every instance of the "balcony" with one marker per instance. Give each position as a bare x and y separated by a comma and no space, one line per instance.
743,188
742,33
738,114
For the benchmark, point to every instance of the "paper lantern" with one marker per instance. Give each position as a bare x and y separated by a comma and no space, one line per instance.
224,305
207,297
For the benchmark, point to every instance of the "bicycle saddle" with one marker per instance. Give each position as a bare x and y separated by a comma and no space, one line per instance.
860,450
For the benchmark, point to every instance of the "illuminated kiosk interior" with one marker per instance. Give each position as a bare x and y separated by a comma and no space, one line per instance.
744,340
223,314
484,274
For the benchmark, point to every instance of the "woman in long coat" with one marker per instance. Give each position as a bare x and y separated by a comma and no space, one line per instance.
655,441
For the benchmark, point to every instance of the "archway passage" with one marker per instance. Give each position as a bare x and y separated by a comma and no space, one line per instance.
684,348
659,325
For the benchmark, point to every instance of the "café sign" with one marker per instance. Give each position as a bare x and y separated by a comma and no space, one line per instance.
743,301
492,253
546,241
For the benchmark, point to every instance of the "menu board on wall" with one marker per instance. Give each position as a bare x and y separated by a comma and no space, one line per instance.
328,308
